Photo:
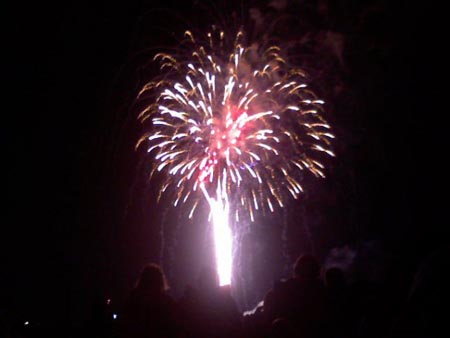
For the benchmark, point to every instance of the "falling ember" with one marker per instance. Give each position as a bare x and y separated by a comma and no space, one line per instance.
238,124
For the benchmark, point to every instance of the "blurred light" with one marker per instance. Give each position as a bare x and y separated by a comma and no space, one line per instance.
26,323
114,316
222,241
257,308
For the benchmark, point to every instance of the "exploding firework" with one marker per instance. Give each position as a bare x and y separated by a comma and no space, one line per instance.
235,122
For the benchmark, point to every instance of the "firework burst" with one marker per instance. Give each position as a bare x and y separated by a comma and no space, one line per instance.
234,122
231,117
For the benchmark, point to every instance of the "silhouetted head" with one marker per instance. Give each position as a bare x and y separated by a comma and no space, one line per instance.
152,279
208,278
334,277
306,267
281,328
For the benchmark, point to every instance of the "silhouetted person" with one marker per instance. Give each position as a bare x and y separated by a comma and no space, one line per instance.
337,303
282,328
149,311
101,322
300,300
426,309
209,311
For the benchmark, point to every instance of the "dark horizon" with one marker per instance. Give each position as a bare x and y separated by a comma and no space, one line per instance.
76,222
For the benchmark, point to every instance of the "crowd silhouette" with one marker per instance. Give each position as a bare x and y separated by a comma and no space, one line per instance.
315,302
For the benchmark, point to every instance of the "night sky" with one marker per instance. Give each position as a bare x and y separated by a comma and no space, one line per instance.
79,222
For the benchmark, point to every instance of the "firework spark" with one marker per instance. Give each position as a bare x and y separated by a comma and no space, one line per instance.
235,122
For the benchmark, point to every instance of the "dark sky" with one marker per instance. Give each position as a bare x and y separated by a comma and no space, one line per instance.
75,222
